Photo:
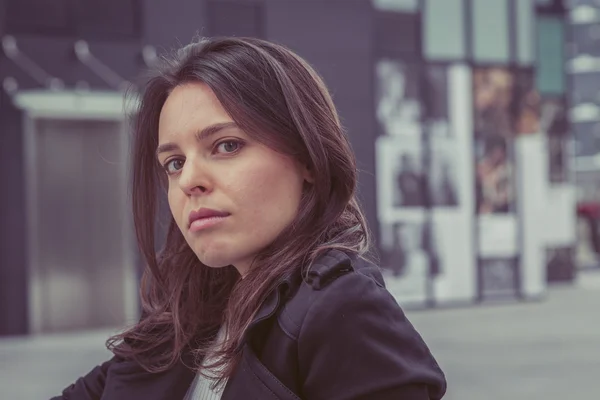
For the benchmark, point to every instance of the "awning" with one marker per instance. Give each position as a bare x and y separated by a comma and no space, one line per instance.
74,104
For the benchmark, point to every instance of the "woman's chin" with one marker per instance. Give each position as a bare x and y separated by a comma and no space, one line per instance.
213,260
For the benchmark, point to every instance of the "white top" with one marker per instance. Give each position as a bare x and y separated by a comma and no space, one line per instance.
201,386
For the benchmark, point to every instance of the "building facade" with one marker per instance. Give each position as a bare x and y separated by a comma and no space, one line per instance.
443,100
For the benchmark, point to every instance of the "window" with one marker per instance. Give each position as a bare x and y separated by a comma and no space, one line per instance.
444,32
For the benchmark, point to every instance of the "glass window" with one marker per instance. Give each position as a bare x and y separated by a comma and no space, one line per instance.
396,5
585,88
586,38
550,55
490,30
443,29
524,10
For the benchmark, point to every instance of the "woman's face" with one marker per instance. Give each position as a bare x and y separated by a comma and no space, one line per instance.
229,195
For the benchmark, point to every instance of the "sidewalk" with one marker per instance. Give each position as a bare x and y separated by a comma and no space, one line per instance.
547,350
39,368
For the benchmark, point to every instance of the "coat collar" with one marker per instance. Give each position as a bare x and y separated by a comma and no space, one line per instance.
129,381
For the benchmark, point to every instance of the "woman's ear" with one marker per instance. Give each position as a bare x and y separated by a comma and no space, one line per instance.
307,174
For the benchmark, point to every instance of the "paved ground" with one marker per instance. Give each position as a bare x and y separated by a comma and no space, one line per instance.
547,350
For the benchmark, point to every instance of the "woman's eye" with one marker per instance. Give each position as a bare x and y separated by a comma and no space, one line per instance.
173,166
228,146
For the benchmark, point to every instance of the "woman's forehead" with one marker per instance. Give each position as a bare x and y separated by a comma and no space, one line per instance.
190,107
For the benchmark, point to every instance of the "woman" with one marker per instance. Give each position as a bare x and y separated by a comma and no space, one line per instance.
262,290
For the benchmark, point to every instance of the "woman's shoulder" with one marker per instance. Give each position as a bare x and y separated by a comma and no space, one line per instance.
335,264
335,282
344,315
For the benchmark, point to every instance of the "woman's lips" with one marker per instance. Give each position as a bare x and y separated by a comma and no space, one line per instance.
204,223
205,218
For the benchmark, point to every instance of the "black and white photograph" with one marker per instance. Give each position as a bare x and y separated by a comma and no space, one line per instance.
406,161
498,277
410,259
401,187
398,106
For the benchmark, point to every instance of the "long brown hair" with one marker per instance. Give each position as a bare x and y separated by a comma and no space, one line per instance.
280,101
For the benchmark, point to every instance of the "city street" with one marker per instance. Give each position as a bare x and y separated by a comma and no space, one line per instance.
547,350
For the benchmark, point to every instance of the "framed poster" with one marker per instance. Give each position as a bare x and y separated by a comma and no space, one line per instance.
493,91
498,97
399,144
493,94
398,106
410,260
424,180
400,172
494,177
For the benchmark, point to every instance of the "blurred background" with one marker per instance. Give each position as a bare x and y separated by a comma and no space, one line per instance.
476,124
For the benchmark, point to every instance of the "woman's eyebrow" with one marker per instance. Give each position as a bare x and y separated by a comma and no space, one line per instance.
201,135
210,130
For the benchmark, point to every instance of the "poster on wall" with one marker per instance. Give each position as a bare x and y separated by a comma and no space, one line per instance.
497,93
493,91
398,107
493,94
554,124
399,152
499,277
506,104
408,175
423,182
494,177
400,112
400,174
410,260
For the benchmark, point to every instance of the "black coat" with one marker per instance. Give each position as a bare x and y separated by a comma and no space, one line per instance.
338,335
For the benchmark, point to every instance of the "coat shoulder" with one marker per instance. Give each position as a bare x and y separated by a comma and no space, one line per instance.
335,276
345,323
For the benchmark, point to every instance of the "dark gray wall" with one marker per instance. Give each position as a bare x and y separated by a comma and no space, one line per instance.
169,23
13,282
335,36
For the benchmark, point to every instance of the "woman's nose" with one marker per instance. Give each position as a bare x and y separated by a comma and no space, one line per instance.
195,177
